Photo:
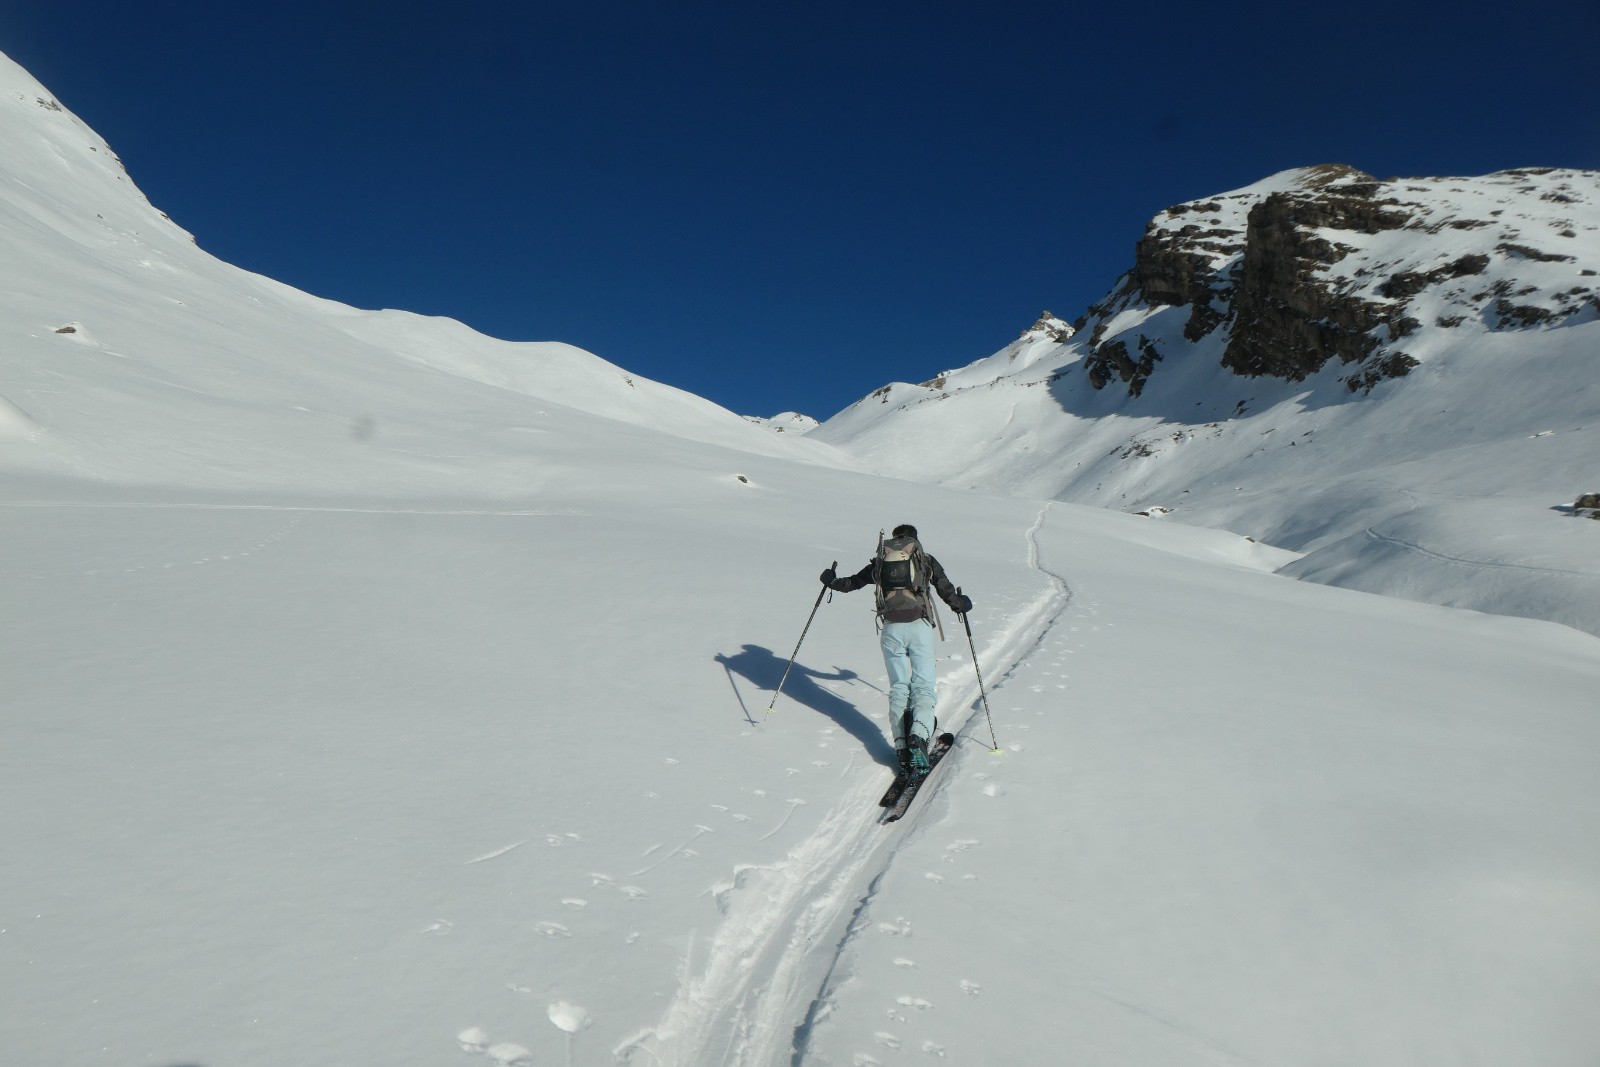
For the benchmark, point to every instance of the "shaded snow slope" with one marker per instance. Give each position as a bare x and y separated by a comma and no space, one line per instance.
1443,485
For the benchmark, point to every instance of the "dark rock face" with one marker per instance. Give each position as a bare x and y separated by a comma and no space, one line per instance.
1288,320
1330,264
1403,284
1176,266
1113,358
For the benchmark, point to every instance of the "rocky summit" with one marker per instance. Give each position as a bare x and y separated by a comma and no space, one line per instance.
1329,263
1396,379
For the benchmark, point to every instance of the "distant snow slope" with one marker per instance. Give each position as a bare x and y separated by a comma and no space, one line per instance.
1443,485
786,422
129,353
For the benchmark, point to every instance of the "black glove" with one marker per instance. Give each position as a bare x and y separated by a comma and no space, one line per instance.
829,576
961,604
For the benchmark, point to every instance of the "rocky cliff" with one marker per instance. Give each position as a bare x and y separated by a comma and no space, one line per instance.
1329,264
1400,379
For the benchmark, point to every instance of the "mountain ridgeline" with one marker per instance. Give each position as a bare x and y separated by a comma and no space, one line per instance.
1366,372
1396,380
1335,265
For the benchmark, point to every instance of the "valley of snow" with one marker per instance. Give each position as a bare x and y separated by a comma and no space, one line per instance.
378,693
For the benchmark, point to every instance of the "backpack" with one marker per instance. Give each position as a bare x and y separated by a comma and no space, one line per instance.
901,576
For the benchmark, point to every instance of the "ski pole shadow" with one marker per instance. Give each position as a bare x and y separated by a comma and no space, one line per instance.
764,669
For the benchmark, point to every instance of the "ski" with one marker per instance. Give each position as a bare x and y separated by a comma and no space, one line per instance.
908,791
892,794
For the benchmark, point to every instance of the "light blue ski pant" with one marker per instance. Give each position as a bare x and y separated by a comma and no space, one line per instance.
908,655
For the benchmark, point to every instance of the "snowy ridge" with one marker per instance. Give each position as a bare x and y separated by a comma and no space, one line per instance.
1464,421
132,355
786,422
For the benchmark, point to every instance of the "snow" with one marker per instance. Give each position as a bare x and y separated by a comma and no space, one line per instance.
786,422
378,693
1443,486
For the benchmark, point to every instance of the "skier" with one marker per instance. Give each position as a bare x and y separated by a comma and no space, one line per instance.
903,574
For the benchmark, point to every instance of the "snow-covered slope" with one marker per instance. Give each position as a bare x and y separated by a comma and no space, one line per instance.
112,320
442,781
1399,380
786,422
392,696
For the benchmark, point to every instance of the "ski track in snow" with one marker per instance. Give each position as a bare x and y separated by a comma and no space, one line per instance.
1399,542
766,975
497,853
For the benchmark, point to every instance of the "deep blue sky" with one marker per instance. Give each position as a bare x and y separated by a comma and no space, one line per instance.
775,205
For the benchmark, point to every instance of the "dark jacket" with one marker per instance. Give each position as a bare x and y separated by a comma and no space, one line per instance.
936,578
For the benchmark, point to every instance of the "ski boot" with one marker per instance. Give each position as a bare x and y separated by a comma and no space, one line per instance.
902,777
904,756
916,752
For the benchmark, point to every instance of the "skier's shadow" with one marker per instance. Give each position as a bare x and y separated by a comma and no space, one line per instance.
764,669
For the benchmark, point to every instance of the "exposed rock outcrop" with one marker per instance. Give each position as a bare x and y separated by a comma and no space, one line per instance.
1288,320
1330,265
1049,328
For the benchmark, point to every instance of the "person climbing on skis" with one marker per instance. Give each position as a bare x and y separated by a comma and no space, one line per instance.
903,576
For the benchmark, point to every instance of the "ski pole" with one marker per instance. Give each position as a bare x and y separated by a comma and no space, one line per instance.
994,745
820,593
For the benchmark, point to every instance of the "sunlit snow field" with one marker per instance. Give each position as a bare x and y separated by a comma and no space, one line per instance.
376,693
